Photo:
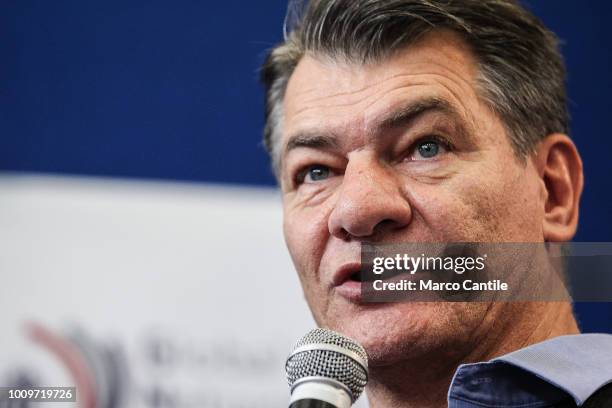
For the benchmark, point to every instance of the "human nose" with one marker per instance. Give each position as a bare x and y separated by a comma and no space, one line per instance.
369,201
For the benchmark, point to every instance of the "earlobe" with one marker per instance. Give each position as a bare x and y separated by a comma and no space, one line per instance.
560,168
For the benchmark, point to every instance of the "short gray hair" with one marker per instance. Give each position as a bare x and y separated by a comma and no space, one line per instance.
521,71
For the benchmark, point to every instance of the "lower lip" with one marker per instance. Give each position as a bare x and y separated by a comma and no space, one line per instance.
350,289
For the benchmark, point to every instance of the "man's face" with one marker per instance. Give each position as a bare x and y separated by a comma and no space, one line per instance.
399,151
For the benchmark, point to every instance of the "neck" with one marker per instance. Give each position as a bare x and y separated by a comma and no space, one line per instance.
424,383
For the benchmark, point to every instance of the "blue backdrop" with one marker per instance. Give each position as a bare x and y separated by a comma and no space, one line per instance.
169,90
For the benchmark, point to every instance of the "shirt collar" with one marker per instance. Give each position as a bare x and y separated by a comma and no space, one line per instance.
578,364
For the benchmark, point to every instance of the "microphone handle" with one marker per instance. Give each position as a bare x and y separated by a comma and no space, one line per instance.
319,393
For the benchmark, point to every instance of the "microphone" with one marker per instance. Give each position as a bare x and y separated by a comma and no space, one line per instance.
326,370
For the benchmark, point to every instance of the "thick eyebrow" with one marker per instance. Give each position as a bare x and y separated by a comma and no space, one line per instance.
313,140
408,113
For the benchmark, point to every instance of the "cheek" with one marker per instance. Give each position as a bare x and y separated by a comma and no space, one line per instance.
520,209
306,234
509,211
482,209
450,213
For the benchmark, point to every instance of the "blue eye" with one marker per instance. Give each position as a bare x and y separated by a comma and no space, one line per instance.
428,149
317,173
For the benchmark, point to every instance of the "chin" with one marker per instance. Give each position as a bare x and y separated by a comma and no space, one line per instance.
392,332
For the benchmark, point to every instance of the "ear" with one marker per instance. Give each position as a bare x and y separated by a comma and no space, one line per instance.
560,169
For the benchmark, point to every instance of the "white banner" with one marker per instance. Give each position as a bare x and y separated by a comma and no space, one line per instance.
146,294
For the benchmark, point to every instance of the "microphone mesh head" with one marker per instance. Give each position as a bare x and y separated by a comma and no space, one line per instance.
331,364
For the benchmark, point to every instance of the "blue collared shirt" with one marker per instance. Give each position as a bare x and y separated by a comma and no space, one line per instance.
538,376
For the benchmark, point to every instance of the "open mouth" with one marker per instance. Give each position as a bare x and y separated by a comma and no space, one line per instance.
352,275
356,277
360,277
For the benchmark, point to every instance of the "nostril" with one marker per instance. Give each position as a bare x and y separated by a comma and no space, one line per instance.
345,235
387,224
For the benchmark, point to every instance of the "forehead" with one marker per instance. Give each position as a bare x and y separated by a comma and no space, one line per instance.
325,92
